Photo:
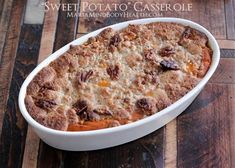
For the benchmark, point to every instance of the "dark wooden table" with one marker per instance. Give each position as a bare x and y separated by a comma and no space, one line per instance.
202,136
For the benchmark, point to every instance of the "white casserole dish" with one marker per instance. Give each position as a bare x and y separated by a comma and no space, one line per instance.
104,138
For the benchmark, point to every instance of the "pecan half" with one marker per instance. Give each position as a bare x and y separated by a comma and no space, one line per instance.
113,72
84,76
115,40
80,106
146,106
187,33
149,55
166,51
169,65
45,104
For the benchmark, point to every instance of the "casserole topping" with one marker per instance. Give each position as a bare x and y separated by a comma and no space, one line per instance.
119,77
169,65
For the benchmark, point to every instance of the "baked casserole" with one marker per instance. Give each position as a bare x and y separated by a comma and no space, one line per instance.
119,77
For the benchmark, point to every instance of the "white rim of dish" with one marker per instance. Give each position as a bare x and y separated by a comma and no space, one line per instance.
214,64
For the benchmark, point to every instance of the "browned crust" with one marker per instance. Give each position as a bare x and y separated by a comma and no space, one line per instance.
195,36
169,31
57,121
206,62
193,40
47,91
37,113
47,74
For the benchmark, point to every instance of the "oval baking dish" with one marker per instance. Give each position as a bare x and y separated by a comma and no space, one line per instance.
103,138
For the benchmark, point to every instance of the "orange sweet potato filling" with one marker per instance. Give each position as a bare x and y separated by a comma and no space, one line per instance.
104,83
90,125
191,68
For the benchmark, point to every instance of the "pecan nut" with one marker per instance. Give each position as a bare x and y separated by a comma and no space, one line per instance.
115,40
45,104
149,55
187,33
80,106
84,76
166,51
113,72
146,106
169,65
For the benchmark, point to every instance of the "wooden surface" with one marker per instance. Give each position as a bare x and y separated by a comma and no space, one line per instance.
202,136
